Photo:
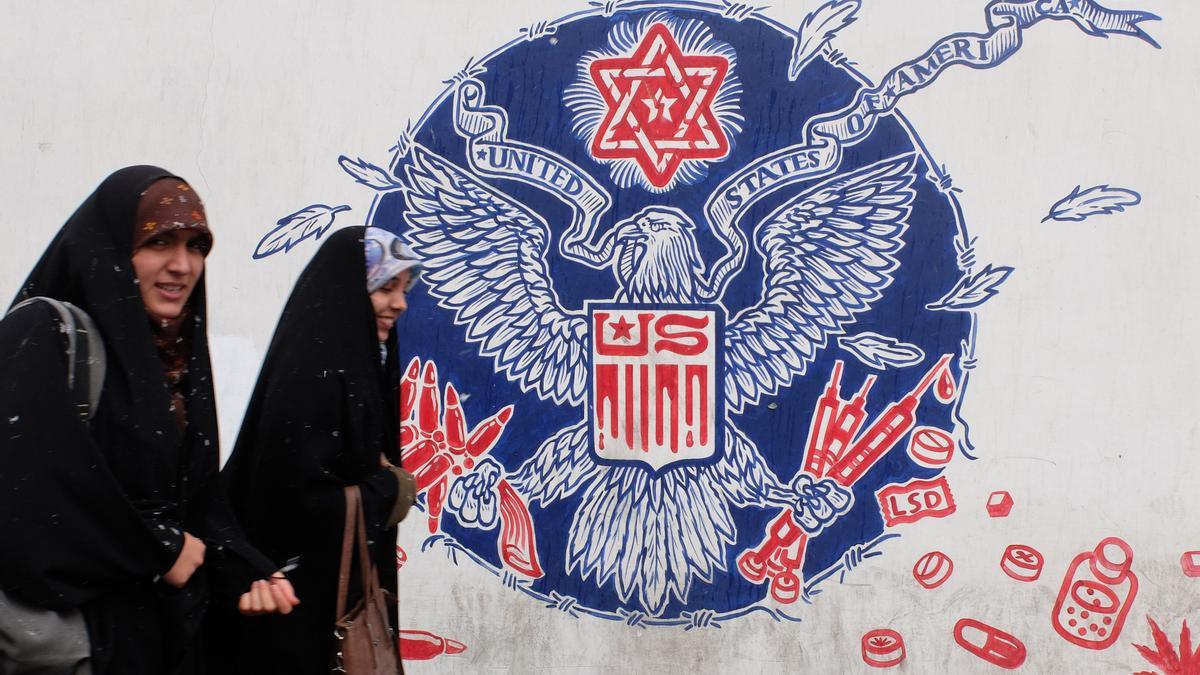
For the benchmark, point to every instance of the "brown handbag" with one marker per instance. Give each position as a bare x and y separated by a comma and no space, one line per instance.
366,644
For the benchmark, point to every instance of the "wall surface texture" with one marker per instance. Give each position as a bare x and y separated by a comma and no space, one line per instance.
819,337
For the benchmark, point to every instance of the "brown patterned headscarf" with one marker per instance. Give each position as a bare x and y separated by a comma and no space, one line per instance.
170,204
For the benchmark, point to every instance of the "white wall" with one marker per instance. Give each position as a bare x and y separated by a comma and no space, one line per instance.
1083,404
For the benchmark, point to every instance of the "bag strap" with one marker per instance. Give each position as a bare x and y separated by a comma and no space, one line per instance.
87,355
92,357
348,532
355,527
370,581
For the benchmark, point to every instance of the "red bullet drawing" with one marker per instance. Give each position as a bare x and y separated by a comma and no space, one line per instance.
421,645
990,644
933,569
436,447
1164,655
1095,596
1190,562
1023,563
882,648
999,503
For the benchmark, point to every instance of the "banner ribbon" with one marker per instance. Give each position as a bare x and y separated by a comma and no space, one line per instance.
491,153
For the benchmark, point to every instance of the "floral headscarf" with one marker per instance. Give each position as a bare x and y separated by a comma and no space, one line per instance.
387,256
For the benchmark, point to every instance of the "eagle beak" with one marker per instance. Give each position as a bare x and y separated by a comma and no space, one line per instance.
630,232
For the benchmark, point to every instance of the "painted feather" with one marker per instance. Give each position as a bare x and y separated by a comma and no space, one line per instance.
1094,201
1102,22
817,29
972,290
880,351
368,174
312,221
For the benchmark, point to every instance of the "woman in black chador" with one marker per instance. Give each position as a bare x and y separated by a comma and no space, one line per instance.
323,416
119,516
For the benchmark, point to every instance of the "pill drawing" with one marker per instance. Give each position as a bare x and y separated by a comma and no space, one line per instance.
1190,563
931,447
1023,563
989,643
933,569
882,648
999,504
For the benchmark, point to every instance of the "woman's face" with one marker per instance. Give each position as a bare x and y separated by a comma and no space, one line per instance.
389,302
167,267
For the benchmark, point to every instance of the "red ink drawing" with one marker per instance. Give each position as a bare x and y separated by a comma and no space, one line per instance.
437,448
659,106
835,449
1164,655
421,645
1095,596
401,558
999,504
931,447
885,431
915,500
882,648
779,557
946,389
786,583
654,392
1023,563
933,569
518,547
835,423
1190,562
990,644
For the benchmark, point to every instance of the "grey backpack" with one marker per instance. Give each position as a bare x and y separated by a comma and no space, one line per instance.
86,362
32,639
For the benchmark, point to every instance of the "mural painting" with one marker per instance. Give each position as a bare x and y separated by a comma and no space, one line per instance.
714,304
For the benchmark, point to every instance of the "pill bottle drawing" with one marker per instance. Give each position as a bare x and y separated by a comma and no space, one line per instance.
1095,595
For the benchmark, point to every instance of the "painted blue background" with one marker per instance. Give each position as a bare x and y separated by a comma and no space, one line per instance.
528,80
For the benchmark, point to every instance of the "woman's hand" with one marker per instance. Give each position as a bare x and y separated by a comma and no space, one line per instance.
191,557
269,596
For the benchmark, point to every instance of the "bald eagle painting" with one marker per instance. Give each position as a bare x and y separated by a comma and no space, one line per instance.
655,527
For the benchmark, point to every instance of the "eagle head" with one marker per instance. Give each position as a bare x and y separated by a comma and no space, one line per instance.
656,259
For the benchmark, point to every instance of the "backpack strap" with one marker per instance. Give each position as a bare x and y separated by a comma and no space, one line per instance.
86,359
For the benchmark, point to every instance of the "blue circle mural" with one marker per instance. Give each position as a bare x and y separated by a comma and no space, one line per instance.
695,319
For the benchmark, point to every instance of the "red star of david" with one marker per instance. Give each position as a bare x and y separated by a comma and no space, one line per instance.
659,106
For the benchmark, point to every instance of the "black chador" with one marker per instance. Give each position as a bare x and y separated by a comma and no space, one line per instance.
92,514
322,413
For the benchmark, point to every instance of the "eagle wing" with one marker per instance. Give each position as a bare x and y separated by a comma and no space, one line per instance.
485,259
827,255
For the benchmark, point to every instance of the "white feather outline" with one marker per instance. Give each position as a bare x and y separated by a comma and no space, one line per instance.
881,351
817,29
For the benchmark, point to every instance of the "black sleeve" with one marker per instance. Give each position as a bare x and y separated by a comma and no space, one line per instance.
231,561
312,442
69,531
